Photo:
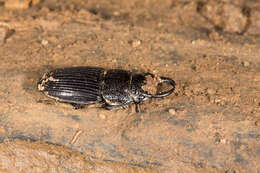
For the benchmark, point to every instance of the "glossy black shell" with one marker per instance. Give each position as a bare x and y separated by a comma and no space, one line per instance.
73,85
86,85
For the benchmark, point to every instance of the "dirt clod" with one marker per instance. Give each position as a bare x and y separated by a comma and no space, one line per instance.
44,42
172,111
246,63
136,43
225,16
151,84
211,91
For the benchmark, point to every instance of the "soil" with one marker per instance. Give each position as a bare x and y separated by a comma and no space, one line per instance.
211,123
29,156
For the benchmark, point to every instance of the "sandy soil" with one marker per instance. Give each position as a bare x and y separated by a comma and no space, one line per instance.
210,48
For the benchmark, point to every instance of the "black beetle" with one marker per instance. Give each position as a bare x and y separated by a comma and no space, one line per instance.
113,88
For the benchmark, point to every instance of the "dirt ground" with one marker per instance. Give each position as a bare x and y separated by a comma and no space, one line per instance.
210,48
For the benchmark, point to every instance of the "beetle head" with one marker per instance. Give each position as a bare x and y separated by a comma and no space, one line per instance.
145,86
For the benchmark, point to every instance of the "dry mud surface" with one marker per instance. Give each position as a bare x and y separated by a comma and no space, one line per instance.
210,48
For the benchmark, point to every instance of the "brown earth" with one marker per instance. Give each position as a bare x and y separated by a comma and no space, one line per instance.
210,48
28,156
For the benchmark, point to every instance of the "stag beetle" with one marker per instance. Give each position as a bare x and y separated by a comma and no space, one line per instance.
113,88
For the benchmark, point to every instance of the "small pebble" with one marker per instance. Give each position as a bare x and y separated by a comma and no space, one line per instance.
44,42
211,91
116,13
257,123
223,141
136,43
172,111
17,4
217,100
2,129
102,116
246,63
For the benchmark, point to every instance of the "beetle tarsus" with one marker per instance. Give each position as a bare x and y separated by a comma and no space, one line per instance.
137,108
77,106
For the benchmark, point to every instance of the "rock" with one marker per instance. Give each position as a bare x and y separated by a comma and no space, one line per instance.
211,91
225,16
172,111
17,4
136,43
102,116
254,28
246,63
45,42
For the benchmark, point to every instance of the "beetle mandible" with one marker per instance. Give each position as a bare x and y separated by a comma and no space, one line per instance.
113,88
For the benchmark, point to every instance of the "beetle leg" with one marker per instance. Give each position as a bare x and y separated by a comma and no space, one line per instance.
137,109
77,106
111,107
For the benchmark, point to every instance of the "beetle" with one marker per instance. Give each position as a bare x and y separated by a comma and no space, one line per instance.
113,88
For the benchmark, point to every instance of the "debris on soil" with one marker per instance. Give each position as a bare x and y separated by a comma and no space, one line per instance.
76,136
45,79
225,16
3,33
151,84
211,91
246,63
102,116
215,35
135,43
44,42
17,4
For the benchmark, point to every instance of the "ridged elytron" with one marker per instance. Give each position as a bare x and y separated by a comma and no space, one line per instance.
113,88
